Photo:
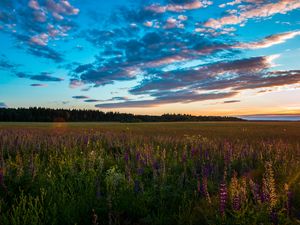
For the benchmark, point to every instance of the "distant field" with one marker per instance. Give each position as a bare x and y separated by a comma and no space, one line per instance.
287,131
150,173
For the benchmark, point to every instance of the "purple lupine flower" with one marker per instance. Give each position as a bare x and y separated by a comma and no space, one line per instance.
274,218
138,156
236,203
140,171
264,193
254,187
193,152
223,198
206,171
183,158
204,189
137,187
126,156
156,165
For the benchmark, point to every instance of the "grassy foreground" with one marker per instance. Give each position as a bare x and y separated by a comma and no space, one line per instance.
150,173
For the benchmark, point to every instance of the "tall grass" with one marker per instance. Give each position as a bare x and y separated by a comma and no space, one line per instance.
124,174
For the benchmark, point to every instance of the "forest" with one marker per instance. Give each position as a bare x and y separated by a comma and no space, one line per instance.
74,115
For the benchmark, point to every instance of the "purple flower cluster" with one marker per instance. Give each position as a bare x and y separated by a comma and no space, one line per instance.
223,198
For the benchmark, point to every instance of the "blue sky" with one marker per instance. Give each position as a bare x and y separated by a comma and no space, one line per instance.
233,57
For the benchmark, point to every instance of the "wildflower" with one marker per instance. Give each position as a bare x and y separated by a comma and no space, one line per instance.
243,189
193,152
138,156
183,158
205,189
137,187
289,198
274,218
255,191
223,198
140,171
156,165
126,156
234,190
269,191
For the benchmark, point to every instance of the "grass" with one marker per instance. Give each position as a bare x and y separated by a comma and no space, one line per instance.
150,173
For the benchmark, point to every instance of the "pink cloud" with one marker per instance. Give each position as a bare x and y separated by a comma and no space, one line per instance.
63,7
270,41
74,83
40,39
182,17
40,16
165,61
34,4
179,7
148,24
57,16
258,11
171,23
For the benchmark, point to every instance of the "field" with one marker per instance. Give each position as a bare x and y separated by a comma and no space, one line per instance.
150,173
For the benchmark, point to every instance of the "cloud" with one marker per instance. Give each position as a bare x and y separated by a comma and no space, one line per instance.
63,7
207,77
37,23
44,77
148,24
40,39
39,50
3,105
168,98
45,52
118,99
257,11
75,83
237,2
190,5
7,65
38,85
91,100
80,97
134,55
34,4
231,101
270,40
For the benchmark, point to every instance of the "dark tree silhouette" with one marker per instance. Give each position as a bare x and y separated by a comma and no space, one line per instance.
73,115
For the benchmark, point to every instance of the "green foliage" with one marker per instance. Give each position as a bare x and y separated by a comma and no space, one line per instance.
150,174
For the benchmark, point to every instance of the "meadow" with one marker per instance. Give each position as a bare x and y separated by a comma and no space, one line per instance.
150,173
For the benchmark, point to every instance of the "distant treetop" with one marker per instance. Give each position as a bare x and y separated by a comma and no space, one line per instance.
74,115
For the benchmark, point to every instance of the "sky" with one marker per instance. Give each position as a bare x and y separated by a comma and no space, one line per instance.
201,57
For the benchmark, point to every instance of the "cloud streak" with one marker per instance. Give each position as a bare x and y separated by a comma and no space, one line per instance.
270,41
196,4
257,11
172,97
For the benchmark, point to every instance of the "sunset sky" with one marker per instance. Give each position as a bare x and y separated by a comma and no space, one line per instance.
202,57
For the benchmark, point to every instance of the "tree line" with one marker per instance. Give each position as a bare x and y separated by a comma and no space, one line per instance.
35,114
